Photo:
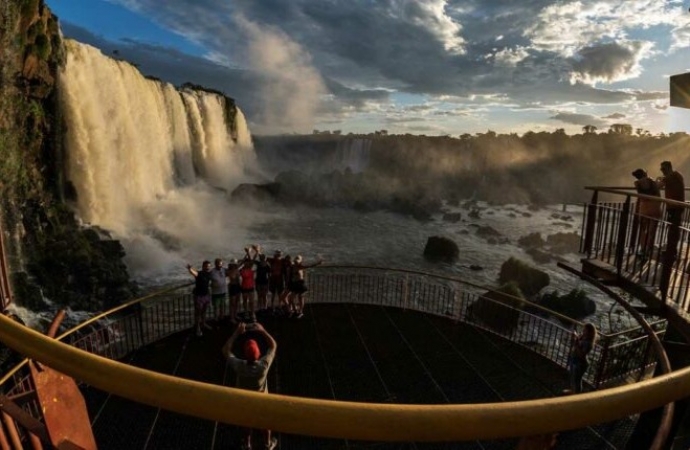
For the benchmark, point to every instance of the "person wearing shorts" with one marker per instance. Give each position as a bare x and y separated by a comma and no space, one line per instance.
201,294
263,274
276,283
234,289
248,285
219,289
298,286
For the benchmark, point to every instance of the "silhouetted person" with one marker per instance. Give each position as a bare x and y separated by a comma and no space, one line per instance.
674,189
219,289
297,285
201,294
579,356
648,211
252,369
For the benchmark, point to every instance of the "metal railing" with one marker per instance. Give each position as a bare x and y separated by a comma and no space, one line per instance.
616,359
649,251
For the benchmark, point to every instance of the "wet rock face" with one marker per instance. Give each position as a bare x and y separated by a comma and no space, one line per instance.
439,248
50,253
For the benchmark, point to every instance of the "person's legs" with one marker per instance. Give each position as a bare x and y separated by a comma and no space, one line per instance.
577,373
234,304
299,307
202,313
247,439
252,308
197,315
269,440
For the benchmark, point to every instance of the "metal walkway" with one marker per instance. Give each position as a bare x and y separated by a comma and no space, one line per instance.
347,352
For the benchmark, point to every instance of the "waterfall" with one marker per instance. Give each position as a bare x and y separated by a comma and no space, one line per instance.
353,154
144,157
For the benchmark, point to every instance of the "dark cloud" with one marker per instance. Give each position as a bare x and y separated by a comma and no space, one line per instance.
578,119
608,62
357,53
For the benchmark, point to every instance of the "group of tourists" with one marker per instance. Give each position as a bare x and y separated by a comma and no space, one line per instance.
241,290
649,210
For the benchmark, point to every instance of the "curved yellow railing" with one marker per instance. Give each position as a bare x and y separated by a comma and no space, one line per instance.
350,420
95,319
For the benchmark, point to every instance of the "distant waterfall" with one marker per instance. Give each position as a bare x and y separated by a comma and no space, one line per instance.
353,154
133,141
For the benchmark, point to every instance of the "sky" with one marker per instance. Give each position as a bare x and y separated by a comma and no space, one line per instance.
434,67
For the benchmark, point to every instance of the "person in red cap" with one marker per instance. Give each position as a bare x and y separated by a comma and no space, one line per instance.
252,368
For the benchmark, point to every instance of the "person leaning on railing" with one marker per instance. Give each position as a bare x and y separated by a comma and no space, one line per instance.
674,189
648,211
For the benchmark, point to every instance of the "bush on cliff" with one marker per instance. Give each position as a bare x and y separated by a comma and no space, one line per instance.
575,304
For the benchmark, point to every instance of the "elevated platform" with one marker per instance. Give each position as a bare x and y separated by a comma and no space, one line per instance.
348,352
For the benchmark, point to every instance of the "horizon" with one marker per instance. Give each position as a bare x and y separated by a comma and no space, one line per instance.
438,67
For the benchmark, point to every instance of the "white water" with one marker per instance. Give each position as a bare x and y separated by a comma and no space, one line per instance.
150,163
353,154
147,161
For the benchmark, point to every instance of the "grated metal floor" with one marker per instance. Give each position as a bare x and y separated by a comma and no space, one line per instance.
347,352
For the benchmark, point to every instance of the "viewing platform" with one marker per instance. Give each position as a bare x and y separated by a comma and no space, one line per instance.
370,335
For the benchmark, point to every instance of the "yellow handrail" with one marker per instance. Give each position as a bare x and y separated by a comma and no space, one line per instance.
350,420
94,319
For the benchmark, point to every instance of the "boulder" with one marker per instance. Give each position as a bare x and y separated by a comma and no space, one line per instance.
530,280
499,309
539,256
563,242
574,304
532,240
487,232
249,193
452,217
439,248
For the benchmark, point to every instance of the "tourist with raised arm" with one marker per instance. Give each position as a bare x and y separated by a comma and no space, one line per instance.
251,368
298,285
201,294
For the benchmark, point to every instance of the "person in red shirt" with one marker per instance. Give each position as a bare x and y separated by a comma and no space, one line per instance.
248,283
276,283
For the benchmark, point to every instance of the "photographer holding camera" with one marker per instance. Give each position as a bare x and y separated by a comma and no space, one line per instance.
252,370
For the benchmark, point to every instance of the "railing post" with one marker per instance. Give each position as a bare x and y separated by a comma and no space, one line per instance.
406,291
140,322
622,232
591,221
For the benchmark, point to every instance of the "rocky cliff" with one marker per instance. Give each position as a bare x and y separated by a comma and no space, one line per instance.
49,253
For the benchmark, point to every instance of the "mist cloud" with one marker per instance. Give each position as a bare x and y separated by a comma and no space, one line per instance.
291,86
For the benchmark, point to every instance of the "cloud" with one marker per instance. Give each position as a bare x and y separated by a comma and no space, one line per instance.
578,119
291,86
357,56
615,116
609,62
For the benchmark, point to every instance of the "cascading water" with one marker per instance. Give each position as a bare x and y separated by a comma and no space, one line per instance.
144,157
353,154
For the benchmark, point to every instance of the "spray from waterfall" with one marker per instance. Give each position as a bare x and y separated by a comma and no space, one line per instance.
151,163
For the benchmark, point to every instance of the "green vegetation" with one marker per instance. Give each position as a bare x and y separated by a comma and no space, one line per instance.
42,45
29,7
575,304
